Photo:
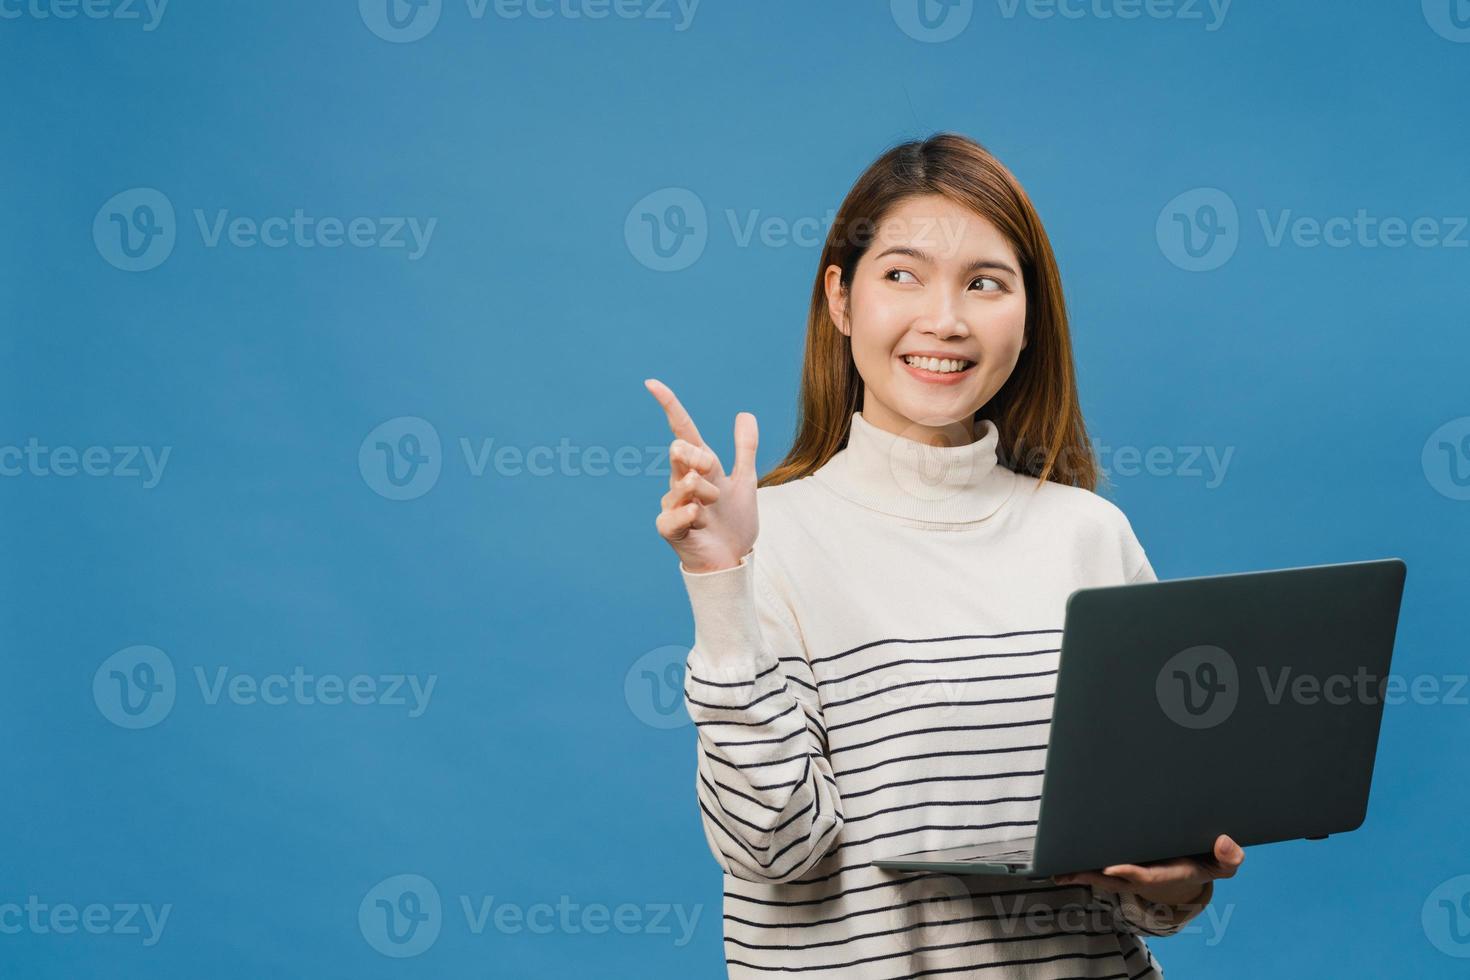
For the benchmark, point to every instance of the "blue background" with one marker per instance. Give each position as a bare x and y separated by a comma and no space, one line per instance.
538,770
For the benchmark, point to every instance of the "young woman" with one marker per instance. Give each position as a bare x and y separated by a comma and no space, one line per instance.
873,675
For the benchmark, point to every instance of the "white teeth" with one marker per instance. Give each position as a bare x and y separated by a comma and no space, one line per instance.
941,365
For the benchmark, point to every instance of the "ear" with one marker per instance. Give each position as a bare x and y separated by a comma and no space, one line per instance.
836,298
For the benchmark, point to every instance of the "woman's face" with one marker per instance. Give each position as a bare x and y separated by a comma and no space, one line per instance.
940,280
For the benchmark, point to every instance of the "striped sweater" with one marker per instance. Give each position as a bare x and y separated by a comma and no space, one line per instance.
875,678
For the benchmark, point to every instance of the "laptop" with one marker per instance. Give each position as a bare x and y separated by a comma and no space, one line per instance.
1246,704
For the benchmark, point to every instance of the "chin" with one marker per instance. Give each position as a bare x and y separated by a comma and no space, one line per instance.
941,411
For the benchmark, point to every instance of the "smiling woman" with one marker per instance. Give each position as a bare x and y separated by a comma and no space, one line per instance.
943,318
876,675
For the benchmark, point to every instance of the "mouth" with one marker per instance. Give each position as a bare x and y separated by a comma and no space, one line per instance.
937,370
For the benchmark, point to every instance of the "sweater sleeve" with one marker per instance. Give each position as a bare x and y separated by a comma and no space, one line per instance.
1132,913
766,794
1135,558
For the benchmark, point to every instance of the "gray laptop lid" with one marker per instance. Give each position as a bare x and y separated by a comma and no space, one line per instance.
1246,704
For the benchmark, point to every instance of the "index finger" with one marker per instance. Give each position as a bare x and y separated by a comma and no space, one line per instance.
679,419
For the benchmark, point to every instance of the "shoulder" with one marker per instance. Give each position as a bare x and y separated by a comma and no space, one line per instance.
793,516
1064,501
785,501
1082,515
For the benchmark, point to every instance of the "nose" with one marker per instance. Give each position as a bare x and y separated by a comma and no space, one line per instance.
943,317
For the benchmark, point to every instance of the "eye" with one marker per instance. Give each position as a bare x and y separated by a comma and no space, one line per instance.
990,279
900,271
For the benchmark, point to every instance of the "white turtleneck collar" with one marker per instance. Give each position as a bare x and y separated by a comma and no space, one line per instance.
905,478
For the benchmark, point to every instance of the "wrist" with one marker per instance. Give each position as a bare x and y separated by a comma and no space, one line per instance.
1177,903
712,569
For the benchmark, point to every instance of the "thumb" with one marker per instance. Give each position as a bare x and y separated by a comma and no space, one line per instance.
746,436
1228,854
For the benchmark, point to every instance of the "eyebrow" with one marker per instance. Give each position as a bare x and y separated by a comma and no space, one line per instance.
924,256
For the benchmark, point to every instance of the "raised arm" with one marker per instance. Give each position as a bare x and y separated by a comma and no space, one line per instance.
766,794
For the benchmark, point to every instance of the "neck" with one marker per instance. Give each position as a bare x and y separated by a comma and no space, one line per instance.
960,432
915,480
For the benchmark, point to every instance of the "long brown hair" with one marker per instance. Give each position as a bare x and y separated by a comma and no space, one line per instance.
1037,411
